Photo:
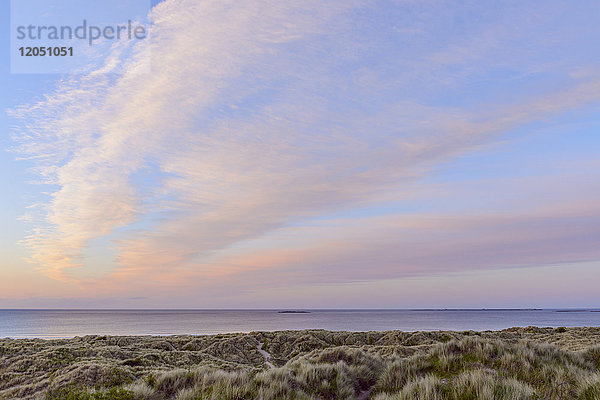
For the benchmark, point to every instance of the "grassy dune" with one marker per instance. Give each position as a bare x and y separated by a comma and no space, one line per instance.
517,363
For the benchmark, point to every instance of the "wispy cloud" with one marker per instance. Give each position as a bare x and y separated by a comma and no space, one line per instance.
259,115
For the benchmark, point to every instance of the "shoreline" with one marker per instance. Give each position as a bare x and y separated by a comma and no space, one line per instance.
177,335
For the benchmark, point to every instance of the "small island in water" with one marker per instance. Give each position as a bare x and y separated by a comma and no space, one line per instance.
293,312
515,363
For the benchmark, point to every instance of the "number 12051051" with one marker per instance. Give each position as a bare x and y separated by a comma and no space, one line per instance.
46,51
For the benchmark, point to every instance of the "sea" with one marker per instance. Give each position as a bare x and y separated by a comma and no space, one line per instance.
53,324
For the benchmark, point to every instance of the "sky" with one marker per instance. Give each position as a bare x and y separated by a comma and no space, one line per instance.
309,154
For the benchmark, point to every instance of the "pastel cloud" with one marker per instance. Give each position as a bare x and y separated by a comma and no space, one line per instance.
332,251
261,115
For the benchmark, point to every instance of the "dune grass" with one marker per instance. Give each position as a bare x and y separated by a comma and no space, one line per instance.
518,363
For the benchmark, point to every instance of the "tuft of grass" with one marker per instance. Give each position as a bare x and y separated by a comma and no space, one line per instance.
71,393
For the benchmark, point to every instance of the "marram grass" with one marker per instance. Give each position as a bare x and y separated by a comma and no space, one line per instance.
513,364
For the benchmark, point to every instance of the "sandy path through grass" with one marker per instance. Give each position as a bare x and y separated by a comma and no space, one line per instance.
266,355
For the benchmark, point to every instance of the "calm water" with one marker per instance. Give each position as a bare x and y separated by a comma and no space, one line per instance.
69,323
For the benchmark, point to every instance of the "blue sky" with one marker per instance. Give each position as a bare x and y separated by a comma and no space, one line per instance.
354,154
